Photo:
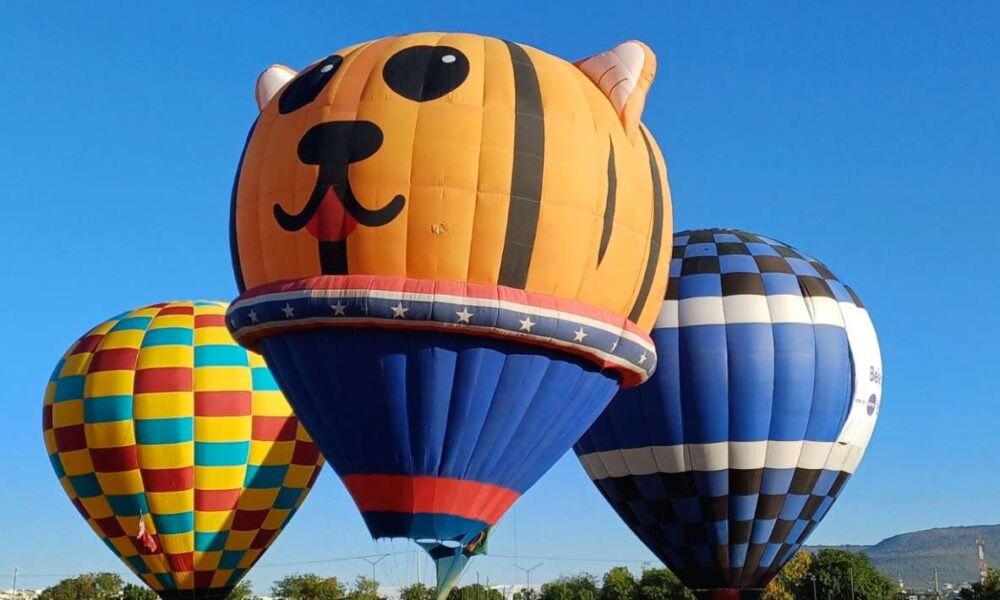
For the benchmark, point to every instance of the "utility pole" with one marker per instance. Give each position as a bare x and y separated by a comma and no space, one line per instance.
983,566
527,573
15,580
852,583
373,563
813,578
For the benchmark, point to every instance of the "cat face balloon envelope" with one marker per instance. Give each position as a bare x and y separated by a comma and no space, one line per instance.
451,249
463,158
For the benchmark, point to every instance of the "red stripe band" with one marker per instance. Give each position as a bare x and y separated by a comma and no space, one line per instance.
164,379
208,500
114,359
422,494
222,404
210,321
114,460
274,429
168,480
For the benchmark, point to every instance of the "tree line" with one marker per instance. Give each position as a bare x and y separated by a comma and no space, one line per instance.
827,575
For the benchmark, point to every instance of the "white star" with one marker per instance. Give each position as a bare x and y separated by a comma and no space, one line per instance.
288,310
399,311
579,334
642,358
338,309
253,316
527,324
232,322
464,316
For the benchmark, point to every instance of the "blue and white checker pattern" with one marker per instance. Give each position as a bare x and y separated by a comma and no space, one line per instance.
760,410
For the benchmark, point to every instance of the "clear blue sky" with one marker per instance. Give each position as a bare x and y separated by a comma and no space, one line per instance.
867,135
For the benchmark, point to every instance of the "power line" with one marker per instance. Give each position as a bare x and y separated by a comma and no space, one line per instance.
568,558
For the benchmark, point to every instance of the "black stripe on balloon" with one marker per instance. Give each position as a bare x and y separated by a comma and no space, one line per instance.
609,203
333,257
526,174
780,532
655,239
234,248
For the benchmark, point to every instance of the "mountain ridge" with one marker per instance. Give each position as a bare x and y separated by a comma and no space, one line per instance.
913,556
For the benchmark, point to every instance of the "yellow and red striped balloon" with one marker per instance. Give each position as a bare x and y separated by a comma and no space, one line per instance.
158,417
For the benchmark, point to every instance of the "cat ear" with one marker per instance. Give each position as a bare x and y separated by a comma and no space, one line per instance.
624,73
270,82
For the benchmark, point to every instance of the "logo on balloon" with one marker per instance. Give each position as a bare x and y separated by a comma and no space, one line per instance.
872,401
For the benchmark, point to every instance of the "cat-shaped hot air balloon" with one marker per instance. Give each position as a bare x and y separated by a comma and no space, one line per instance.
450,249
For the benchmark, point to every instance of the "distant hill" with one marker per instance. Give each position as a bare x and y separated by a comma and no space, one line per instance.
914,556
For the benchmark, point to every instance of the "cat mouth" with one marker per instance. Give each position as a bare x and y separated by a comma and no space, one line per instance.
333,211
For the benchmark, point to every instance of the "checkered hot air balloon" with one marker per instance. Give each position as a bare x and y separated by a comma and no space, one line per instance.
177,447
767,392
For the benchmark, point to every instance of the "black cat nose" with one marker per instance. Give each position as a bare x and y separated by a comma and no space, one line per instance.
339,142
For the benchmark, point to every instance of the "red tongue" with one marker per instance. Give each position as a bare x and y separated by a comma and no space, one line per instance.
331,223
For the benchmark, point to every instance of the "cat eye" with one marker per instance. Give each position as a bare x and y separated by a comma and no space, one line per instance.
304,88
423,73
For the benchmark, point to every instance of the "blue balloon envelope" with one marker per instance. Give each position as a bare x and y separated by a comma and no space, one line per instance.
766,395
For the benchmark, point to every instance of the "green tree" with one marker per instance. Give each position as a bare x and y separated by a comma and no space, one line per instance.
137,592
526,594
582,586
661,584
988,589
474,592
241,592
619,584
89,586
308,587
834,570
417,591
791,578
365,588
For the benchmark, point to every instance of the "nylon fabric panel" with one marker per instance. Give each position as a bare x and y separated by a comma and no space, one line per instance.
452,158
153,423
431,405
732,453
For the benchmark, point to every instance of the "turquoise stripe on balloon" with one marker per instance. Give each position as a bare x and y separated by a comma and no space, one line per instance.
132,323
220,356
265,476
108,543
167,581
85,486
207,303
230,558
164,431
69,388
129,505
55,372
57,465
205,541
236,576
107,409
138,565
174,523
287,497
263,381
221,454
168,336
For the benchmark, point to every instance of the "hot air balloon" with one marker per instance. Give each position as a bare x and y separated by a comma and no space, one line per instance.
766,396
450,252
176,446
